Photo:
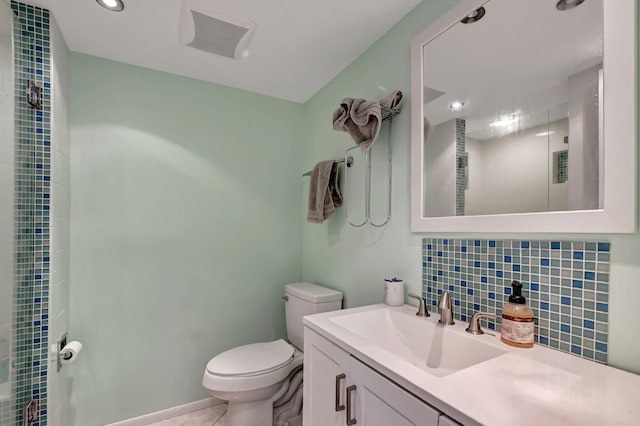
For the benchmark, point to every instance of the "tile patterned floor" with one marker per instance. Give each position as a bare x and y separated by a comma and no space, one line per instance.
208,417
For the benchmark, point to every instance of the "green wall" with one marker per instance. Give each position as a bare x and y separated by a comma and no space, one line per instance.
188,217
357,260
185,226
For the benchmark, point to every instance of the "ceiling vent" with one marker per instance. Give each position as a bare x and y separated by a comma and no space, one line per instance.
206,28
431,94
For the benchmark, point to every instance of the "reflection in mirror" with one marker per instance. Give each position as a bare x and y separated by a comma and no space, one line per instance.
512,112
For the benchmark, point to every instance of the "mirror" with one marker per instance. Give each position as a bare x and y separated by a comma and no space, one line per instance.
509,104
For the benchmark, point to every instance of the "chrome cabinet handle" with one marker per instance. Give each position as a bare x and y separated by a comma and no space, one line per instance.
339,377
350,421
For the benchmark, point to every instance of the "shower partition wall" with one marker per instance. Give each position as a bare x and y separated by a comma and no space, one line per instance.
30,200
6,209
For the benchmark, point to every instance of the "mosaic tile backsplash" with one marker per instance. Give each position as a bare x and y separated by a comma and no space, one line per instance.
565,282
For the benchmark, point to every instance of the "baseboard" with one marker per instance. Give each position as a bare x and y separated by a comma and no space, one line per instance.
159,416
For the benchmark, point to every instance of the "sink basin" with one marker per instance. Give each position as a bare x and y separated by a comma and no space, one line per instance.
436,349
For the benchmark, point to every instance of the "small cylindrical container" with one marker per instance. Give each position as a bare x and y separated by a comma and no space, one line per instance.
394,292
517,320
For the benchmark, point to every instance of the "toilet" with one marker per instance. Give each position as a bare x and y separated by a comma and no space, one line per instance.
251,377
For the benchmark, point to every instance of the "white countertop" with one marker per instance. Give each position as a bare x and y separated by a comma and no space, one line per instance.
536,386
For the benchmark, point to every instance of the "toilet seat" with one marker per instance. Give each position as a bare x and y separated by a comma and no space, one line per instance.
250,360
251,367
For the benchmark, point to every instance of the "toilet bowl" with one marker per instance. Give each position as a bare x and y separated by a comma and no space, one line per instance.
251,377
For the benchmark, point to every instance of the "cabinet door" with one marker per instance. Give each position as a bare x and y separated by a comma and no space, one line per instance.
447,421
377,401
326,371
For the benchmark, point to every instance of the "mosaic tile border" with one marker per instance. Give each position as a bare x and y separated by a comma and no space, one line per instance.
561,166
565,282
6,417
32,204
461,165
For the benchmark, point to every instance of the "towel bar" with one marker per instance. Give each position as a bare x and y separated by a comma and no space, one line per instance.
341,160
388,115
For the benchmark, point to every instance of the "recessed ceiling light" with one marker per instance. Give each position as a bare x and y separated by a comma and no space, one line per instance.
475,16
113,5
245,54
456,105
568,4
545,133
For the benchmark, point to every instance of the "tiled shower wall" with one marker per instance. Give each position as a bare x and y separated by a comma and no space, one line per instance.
565,282
59,383
461,166
32,210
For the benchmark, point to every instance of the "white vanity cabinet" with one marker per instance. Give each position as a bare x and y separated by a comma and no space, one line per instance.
326,372
403,370
341,390
377,401
447,421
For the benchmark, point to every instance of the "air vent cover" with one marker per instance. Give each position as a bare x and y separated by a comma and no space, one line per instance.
214,31
431,94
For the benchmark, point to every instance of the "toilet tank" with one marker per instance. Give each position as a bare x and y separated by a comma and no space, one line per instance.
306,299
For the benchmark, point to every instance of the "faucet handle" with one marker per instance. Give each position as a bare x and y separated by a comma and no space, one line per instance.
422,310
474,323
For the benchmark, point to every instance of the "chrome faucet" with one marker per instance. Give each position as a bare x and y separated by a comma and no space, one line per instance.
422,310
474,323
446,315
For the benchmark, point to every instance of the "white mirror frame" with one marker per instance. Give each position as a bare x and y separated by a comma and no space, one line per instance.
618,214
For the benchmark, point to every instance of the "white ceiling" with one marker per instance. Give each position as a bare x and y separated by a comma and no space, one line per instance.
517,59
297,48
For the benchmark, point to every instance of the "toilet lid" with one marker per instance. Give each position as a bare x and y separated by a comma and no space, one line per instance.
251,359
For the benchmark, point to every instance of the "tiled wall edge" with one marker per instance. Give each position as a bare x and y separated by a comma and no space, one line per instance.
32,205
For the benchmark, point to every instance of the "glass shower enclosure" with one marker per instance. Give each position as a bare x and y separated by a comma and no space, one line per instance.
7,161
19,329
